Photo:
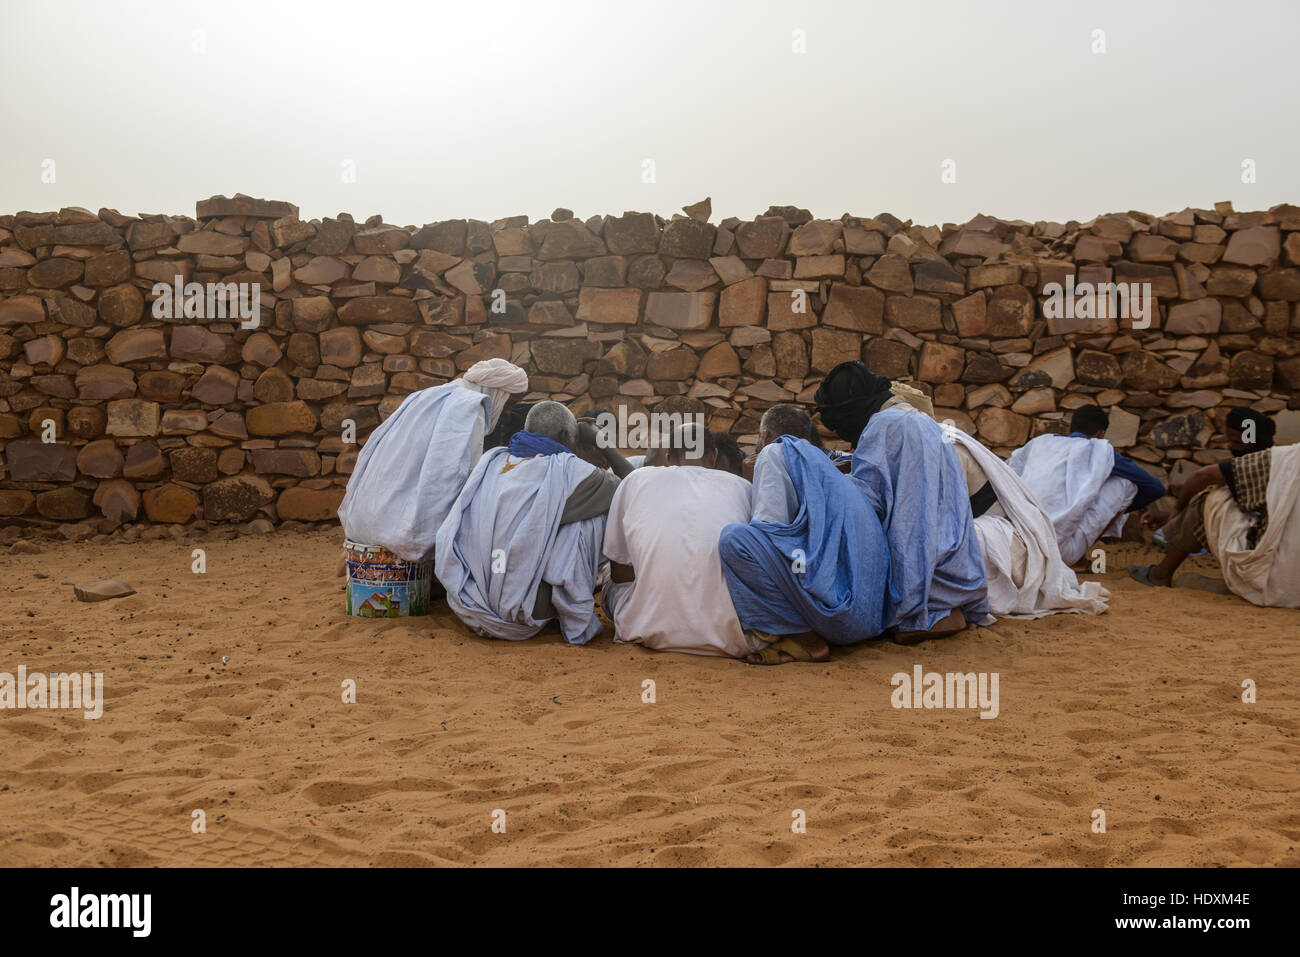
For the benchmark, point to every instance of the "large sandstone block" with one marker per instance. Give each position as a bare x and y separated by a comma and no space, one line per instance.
888,358
195,465
672,365
280,418
1201,317
764,238
1144,372
718,362
133,418
118,500
1122,429
21,310
830,347
891,273
1098,368
132,345
563,356
236,498
743,303
217,386
914,313
680,310
35,461
1002,427
172,504
687,239
1010,312
63,504
941,363
309,505
1251,370
1257,246
493,347
789,310
303,463
860,308
631,233
100,459
609,306
212,243
197,344
814,238
341,347
99,382
16,502
571,240
371,310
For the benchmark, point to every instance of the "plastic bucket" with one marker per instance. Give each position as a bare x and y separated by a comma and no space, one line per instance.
381,585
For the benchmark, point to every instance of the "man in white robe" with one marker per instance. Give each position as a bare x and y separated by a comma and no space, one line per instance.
666,590
1245,510
1026,575
1085,486
521,545
415,463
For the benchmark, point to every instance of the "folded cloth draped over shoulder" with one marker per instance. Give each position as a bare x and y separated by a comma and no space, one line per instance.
826,571
1041,584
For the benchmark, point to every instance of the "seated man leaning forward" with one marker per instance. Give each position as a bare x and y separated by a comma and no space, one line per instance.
1245,510
812,566
1022,560
666,590
414,465
1083,483
521,544
914,482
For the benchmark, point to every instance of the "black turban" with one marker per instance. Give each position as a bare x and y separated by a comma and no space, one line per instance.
849,396
1265,428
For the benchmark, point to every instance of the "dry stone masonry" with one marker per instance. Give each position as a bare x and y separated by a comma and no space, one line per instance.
110,416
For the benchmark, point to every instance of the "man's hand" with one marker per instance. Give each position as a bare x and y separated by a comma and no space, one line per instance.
587,434
1154,518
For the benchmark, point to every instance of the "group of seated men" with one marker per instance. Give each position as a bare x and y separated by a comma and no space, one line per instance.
524,516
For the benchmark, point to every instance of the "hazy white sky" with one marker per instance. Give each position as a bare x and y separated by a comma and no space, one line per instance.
474,109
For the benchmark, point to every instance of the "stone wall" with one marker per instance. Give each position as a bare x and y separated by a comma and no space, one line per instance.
178,420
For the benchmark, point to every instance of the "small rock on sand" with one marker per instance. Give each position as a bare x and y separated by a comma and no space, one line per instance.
102,589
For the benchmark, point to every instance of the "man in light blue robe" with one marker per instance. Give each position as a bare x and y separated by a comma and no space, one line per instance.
915,483
521,545
813,564
413,466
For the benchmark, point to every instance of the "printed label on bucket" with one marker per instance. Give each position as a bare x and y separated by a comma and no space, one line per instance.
381,585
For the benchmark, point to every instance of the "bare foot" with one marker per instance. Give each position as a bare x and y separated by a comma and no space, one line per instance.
816,647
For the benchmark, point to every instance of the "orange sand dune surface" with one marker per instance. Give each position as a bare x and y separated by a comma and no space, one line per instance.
1138,713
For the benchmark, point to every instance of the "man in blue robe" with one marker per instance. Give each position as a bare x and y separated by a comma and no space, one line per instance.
812,566
914,481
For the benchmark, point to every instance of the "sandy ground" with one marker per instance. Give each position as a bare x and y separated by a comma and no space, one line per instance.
1137,712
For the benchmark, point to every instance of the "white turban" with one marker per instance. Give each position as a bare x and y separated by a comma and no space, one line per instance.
498,379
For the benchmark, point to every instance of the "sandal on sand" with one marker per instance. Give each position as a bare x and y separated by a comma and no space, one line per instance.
771,655
1141,573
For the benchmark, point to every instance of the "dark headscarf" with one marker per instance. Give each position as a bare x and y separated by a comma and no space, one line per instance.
849,396
1265,428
